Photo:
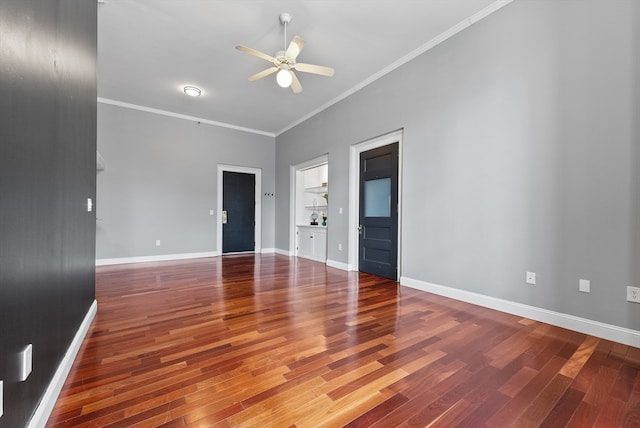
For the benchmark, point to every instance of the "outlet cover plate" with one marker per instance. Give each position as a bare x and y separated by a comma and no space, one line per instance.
633,294
531,278
26,362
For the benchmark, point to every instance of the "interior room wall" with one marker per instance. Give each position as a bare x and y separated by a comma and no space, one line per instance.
519,154
47,172
160,182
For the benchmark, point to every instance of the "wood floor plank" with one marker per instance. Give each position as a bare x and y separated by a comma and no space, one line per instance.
273,341
561,413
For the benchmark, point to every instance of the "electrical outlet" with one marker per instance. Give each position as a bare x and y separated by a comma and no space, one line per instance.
584,285
531,278
26,362
633,294
157,242
339,247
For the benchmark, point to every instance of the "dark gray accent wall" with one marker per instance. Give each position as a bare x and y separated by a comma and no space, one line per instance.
47,172
160,182
520,153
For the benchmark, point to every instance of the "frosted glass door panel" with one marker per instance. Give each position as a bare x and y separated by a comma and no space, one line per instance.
377,198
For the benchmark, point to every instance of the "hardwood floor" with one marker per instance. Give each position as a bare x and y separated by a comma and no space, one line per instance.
270,341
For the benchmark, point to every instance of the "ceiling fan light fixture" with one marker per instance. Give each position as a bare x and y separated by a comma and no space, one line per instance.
285,61
192,91
284,78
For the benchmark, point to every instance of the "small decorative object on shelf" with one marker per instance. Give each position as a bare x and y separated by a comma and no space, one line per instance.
314,219
324,219
326,197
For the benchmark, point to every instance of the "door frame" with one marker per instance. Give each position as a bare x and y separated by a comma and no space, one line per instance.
257,172
354,193
295,190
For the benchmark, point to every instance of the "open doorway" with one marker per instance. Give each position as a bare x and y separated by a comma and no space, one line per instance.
309,209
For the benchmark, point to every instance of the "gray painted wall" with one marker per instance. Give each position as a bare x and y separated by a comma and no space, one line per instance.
160,181
520,154
48,89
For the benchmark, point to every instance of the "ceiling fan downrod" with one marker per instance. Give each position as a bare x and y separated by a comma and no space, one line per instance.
285,18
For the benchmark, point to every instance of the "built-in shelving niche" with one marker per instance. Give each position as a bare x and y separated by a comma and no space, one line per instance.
311,196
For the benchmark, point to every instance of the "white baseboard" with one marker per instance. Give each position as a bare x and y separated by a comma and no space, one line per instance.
338,265
283,252
159,258
582,325
45,407
267,250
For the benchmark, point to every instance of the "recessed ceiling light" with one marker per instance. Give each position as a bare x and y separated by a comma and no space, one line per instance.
192,91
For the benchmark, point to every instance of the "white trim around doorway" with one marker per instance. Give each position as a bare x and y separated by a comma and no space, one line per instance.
354,193
258,199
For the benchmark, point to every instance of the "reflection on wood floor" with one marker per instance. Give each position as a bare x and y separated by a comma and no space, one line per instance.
270,341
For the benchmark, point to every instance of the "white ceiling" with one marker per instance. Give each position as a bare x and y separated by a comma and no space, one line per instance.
149,49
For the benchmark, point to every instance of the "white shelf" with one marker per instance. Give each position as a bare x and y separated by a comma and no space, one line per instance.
317,207
319,189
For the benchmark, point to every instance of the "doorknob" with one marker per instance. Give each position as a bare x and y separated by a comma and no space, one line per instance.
360,229
224,217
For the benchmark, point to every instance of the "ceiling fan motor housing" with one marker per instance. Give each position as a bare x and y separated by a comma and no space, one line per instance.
285,18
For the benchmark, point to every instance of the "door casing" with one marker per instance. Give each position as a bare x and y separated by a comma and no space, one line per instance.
258,199
354,193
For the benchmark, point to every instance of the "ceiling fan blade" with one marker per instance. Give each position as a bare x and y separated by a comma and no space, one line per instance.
257,53
315,69
295,83
263,73
296,45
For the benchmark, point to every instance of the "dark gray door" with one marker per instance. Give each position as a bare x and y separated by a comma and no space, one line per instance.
379,211
239,215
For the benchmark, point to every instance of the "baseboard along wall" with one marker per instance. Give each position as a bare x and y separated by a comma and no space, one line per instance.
44,409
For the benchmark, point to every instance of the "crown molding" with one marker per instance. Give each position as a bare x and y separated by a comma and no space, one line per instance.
467,22
184,117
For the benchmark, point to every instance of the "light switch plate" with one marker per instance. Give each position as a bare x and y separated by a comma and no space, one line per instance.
89,205
26,362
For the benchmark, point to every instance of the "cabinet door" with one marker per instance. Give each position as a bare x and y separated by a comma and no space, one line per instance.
305,242
320,245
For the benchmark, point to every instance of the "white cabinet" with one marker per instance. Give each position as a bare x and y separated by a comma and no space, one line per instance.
312,242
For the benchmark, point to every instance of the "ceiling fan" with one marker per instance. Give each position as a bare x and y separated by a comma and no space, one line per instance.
284,61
